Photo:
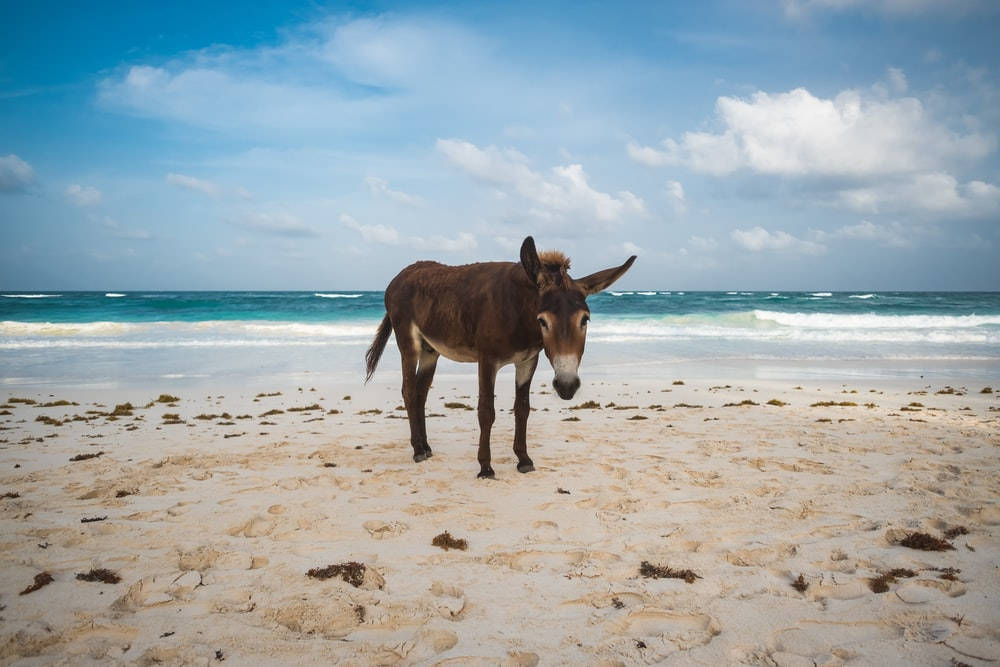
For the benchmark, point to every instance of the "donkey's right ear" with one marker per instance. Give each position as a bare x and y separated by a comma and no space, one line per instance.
529,259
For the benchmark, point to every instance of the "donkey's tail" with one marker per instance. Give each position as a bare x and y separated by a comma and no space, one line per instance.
374,352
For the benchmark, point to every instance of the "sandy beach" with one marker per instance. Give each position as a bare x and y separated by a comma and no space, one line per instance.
680,521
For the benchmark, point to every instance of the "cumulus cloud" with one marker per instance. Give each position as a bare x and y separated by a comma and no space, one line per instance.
83,196
388,235
874,152
933,193
195,184
16,175
277,223
758,239
799,134
380,188
564,192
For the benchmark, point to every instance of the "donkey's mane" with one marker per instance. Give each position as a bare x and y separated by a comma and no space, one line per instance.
553,260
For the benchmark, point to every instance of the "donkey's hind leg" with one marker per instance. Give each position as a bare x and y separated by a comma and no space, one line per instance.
425,375
410,354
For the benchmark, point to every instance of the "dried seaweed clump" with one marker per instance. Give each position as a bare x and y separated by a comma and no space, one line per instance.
800,584
588,405
954,532
306,408
41,579
446,541
880,584
101,575
352,572
167,398
925,542
650,571
84,457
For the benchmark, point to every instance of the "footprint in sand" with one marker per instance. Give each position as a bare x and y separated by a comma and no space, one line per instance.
921,591
205,558
449,600
329,616
258,526
824,643
662,632
381,530
158,590
761,556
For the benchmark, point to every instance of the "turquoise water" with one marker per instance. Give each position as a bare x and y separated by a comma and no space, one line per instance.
108,337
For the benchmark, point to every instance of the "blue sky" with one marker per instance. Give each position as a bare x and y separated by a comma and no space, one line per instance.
786,144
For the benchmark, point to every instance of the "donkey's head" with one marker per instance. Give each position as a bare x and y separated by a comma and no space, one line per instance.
563,313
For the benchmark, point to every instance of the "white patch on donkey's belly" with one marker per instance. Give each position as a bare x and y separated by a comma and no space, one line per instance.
453,353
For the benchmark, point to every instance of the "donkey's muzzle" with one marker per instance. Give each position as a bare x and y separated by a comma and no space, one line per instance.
566,387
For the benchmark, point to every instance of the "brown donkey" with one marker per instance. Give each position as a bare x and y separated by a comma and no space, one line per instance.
493,314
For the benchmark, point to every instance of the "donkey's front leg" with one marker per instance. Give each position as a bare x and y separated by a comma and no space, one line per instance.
524,371
487,381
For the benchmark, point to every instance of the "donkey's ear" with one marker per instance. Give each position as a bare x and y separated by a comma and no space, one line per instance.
529,259
601,280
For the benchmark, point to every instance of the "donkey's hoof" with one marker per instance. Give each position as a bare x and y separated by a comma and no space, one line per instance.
526,467
420,456
486,474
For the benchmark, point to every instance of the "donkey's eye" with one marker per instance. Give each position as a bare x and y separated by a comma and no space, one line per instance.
584,320
542,323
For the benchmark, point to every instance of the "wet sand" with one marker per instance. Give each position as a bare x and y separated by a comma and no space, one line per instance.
774,512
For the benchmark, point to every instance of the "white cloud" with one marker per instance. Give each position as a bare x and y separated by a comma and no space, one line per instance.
647,156
798,9
191,183
278,223
758,239
83,196
380,187
116,230
799,134
897,80
566,192
16,175
387,235
935,193
675,194
631,248
892,235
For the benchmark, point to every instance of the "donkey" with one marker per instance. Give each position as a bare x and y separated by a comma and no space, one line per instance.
492,314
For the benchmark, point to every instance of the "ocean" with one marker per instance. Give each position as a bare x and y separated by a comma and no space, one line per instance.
135,338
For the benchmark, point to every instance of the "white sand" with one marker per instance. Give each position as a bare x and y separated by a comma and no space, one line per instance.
215,535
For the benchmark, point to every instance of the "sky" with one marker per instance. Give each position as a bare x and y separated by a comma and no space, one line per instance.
730,144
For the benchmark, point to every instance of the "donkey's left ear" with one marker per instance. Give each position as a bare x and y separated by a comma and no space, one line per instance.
529,259
601,280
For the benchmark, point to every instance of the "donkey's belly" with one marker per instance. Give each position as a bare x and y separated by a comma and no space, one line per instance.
452,352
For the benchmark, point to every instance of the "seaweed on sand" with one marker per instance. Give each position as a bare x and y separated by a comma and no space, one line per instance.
650,571
84,457
925,542
41,579
446,542
352,572
101,575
